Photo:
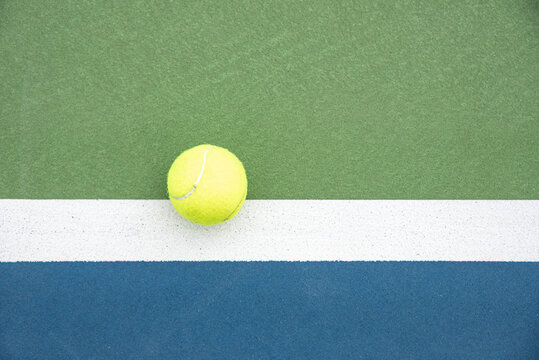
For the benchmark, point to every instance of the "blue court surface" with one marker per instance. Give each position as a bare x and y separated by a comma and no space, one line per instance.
269,310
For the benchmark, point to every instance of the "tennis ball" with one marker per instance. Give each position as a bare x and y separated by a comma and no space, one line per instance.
207,184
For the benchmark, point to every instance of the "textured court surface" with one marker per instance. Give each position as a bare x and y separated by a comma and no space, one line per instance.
314,310
272,230
321,100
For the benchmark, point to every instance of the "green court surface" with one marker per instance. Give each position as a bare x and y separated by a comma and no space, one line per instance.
320,99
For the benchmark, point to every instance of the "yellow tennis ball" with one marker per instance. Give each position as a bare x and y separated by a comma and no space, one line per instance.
207,184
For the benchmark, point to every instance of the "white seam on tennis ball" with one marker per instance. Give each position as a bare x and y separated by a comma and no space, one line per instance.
237,206
197,180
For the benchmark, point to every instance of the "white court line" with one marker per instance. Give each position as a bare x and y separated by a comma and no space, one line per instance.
291,230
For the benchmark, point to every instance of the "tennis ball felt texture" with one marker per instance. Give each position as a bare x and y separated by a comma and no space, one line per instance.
207,184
